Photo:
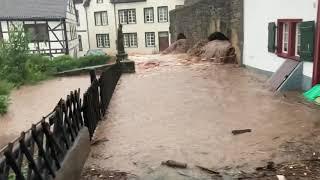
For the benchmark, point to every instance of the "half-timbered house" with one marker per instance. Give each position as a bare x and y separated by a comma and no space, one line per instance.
51,24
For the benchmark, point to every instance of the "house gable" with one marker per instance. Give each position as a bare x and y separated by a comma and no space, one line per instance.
33,9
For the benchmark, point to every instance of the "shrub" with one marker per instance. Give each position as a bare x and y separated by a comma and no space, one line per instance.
93,60
65,63
38,68
13,53
4,103
5,87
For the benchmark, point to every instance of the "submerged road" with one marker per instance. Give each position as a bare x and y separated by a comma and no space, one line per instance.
175,110
30,103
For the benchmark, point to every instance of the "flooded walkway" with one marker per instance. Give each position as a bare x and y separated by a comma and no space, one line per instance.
30,103
187,112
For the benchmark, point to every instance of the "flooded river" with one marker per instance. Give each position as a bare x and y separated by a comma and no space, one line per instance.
186,113
30,103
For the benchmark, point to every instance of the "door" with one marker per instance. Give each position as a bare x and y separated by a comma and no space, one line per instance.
163,40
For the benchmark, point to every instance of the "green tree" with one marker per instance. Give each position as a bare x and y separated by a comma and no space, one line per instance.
14,55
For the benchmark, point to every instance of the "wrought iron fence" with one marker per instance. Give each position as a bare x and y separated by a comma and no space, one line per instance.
98,96
39,152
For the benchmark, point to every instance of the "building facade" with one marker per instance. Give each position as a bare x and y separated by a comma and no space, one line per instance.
50,26
145,24
276,31
82,30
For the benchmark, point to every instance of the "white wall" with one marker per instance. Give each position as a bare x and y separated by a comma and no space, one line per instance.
257,15
109,29
82,29
140,27
71,22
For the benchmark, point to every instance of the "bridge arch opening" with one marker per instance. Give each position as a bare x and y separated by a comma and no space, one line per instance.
218,36
181,36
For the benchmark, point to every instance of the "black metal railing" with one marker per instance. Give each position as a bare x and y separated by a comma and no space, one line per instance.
98,96
39,152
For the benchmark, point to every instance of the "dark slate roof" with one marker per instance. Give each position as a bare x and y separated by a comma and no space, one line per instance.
33,9
78,1
87,2
126,1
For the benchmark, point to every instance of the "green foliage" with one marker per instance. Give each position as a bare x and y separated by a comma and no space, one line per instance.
5,87
4,103
93,61
13,53
65,63
38,68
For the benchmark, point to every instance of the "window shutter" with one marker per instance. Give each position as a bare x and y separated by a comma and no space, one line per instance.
307,40
271,37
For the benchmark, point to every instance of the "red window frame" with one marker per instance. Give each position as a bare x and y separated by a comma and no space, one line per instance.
292,38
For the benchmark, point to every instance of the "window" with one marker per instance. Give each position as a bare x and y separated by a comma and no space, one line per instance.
80,43
77,17
148,15
103,41
127,16
288,38
37,32
285,41
298,40
123,17
101,18
163,14
150,39
99,1
131,16
130,40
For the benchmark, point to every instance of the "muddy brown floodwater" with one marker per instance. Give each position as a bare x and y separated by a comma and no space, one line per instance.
186,112
30,103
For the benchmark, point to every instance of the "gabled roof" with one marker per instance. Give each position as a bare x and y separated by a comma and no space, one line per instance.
87,2
33,9
78,1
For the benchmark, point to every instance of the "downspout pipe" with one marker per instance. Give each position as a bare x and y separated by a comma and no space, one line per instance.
115,22
87,23
316,62
241,39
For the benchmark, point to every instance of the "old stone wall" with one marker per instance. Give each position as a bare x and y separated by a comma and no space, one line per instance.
199,18
189,2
